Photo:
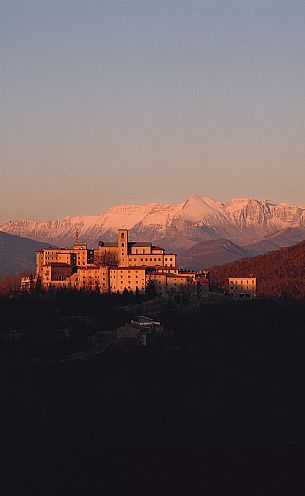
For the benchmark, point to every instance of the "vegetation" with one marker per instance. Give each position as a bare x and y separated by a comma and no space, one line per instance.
54,323
106,259
225,373
9,284
278,273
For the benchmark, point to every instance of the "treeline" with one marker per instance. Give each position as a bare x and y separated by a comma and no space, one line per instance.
9,284
42,310
234,374
278,273
49,325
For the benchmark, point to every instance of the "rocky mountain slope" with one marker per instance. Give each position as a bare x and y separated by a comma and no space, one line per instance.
178,227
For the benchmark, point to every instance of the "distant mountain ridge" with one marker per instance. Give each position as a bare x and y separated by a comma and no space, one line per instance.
17,254
245,222
206,254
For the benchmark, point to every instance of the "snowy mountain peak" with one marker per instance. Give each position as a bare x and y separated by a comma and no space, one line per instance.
198,218
197,209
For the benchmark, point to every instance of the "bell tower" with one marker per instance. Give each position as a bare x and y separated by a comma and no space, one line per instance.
123,247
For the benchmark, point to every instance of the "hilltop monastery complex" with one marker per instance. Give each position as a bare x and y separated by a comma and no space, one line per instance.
113,268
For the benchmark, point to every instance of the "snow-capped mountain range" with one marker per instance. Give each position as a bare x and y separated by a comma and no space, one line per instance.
243,221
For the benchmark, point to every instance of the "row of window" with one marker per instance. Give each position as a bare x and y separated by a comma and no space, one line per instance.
129,276
122,287
127,271
152,260
243,282
241,288
91,284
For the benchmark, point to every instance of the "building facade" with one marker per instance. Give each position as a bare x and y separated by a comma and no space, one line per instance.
134,254
113,268
242,287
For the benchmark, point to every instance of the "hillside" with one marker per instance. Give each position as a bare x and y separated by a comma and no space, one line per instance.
17,254
280,239
278,273
206,254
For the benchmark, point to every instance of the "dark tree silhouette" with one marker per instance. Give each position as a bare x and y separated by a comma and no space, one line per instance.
106,259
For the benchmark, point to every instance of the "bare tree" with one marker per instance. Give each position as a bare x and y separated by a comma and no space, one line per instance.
106,259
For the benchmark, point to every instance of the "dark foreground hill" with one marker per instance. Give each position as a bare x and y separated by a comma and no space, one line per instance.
223,374
17,254
225,378
278,273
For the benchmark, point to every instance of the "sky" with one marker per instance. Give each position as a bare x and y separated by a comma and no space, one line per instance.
110,102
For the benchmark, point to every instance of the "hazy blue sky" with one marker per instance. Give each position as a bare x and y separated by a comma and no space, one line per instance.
135,102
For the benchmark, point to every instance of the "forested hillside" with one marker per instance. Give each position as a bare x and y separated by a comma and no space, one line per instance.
278,273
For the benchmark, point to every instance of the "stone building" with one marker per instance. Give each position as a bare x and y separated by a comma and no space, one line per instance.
242,287
134,254
113,267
